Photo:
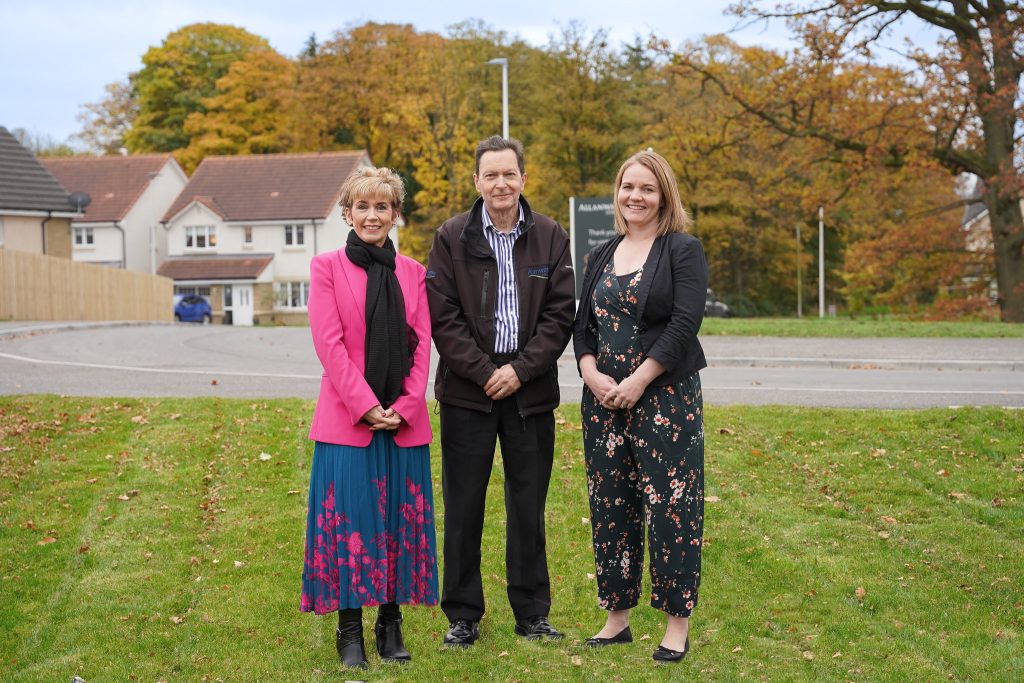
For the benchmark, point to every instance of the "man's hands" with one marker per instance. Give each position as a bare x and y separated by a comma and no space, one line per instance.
503,383
380,419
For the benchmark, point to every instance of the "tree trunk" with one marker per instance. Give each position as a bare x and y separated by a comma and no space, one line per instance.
1007,226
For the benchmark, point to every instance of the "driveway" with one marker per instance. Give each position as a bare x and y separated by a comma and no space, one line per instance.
195,360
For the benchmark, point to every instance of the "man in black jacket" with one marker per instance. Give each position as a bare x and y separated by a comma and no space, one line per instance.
502,298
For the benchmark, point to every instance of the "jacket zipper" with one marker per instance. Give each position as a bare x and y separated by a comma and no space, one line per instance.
483,291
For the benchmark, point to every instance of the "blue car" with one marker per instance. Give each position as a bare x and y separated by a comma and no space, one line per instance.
193,309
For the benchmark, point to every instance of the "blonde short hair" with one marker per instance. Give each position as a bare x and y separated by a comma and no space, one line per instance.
672,217
373,182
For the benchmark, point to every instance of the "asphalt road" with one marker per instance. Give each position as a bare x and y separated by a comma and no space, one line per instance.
196,360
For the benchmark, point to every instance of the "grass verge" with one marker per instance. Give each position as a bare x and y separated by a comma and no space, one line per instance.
845,327
161,540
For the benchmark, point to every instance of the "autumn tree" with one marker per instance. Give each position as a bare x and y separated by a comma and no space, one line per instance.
969,100
581,123
177,76
255,111
106,123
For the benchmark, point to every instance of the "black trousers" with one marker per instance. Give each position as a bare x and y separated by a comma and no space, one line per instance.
468,438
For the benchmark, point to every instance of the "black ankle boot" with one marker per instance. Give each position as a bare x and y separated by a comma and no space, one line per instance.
350,638
388,631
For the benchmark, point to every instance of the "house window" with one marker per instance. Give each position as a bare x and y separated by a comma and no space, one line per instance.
294,236
200,237
196,291
247,236
292,294
83,236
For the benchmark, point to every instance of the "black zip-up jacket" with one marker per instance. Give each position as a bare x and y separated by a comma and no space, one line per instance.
670,304
462,283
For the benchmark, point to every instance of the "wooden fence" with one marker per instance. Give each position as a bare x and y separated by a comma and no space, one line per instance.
39,287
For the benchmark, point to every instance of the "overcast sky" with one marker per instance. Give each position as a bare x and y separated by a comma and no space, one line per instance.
56,55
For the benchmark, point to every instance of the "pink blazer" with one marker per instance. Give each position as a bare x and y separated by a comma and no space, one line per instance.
337,308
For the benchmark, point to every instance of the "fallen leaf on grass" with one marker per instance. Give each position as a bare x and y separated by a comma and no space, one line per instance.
265,456
997,502
808,655
584,520
91,481
590,577
711,499
942,473
294,492
888,520
174,416
884,535
47,541
577,660
837,655
177,620
503,653
239,564
29,524
726,431
645,636
83,549
860,592
956,495
737,649
140,420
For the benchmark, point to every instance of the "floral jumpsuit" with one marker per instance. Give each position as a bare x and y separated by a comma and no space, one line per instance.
645,465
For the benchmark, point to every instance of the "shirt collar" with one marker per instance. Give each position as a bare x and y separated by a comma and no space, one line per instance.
489,224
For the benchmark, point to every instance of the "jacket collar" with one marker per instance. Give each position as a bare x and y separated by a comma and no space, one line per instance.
473,231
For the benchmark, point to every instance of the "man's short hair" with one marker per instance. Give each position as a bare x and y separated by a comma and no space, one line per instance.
496,143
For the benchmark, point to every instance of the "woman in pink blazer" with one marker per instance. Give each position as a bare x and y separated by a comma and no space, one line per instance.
370,527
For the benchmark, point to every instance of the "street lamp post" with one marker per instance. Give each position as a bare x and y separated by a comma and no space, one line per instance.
504,93
821,261
799,277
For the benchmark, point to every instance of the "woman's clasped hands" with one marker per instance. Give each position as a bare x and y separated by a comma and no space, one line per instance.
382,419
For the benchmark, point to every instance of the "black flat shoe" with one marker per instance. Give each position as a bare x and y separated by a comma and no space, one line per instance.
463,633
535,628
663,654
388,631
623,636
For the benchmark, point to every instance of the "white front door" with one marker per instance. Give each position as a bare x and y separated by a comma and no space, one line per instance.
243,305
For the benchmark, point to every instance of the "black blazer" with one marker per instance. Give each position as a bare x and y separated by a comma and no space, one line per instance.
670,304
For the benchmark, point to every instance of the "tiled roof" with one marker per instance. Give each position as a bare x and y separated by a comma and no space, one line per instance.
113,183
215,267
263,187
25,185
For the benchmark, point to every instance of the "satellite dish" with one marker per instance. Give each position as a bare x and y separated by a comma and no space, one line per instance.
79,200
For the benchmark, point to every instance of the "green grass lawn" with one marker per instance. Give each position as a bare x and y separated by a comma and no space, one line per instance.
148,540
860,327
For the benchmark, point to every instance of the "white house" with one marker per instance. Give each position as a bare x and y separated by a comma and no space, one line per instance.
244,229
128,195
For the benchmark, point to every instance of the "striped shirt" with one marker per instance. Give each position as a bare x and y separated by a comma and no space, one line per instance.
506,309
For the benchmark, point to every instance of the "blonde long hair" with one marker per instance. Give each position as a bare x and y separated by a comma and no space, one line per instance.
672,217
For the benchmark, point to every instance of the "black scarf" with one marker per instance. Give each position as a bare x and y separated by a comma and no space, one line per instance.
390,342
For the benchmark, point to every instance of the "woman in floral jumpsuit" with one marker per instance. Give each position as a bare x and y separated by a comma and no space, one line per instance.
643,429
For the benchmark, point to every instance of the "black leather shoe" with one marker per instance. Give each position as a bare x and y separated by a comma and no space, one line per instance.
663,654
350,639
388,631
462,633
536,628
623,636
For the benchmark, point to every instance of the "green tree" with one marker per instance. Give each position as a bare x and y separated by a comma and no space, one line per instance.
177,76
